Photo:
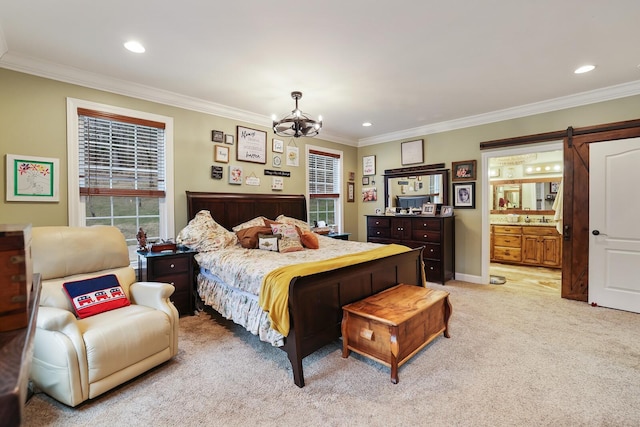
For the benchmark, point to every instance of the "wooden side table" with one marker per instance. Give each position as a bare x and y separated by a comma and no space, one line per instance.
339,236
391,326
175,267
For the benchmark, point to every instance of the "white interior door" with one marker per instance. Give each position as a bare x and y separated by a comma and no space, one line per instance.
614,205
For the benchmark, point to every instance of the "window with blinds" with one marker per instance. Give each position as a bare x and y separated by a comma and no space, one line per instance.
324,186
120,156
121,172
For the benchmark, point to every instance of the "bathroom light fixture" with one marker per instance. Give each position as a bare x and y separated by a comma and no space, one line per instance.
297,123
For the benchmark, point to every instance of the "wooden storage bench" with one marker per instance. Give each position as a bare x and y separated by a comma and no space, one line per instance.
393,325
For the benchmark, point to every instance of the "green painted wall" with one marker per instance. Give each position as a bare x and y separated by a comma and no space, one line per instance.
33,122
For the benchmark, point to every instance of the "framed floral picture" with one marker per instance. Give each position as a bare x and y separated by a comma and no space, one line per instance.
32,179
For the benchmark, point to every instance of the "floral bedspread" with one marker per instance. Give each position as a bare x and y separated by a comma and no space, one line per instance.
230,279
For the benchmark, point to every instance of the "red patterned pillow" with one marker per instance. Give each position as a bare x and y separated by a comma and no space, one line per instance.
96,295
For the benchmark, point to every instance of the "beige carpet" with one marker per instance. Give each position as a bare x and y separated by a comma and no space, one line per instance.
518,355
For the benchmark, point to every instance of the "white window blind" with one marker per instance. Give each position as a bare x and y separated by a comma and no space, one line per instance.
120,156
324,175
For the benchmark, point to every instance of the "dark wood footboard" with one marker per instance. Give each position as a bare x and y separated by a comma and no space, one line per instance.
315,301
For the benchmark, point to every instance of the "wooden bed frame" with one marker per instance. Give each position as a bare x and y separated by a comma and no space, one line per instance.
315,301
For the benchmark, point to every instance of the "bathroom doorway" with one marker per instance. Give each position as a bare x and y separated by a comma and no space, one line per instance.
530,169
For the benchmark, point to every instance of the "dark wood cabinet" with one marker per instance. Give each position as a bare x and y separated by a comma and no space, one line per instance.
435,233
176,268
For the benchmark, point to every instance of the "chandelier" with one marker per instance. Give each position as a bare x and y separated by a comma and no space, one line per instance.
297,123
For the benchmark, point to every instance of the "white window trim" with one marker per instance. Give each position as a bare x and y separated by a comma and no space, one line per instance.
76,204
340,211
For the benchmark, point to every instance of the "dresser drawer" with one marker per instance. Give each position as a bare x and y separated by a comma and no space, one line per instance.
426,235
510,241
171,265
433,270
432,251
507,254
507,229
378,222
378,232
426,224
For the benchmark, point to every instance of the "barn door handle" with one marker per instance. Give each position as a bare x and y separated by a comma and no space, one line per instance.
566,235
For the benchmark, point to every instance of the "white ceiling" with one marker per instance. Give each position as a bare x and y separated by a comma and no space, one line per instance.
411,67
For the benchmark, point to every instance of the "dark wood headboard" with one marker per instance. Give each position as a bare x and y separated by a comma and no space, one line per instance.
231,209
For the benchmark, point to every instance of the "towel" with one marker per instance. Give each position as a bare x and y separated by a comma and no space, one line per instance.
557,207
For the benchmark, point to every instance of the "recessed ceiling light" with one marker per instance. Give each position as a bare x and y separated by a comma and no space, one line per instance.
134,46
584,69
366,124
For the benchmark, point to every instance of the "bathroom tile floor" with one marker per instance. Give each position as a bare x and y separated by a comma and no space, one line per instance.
528,276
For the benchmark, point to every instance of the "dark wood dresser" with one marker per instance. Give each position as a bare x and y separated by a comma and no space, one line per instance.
435,233
16,350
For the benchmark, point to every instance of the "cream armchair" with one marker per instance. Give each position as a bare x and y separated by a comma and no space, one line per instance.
79,359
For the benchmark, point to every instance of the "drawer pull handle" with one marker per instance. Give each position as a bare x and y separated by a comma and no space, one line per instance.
430,268
431,251
366,334
425,236
173,265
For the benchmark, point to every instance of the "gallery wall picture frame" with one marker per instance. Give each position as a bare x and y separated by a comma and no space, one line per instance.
412,152
446,211
32,179
252,145
464,195
368,165
464,171
352,176
217,136
277,145
228,139
365,180
351,192
235,175
221,154
428,209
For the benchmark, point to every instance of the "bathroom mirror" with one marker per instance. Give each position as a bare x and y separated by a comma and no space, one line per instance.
524,196
406,188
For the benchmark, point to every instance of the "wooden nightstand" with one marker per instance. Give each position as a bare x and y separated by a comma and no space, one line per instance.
339,236
171,267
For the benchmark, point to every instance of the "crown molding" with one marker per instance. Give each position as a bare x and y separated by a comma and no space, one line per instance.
3,44
575,100
50,70
83,78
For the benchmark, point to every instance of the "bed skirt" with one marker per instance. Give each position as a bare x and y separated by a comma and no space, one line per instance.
238,306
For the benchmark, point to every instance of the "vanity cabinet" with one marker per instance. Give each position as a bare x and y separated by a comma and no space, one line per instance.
528,245
436,234
507,243
541,246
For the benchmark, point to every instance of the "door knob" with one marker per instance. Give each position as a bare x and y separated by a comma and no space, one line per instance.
597,233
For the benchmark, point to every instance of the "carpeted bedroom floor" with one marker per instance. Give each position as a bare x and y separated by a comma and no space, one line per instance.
518,355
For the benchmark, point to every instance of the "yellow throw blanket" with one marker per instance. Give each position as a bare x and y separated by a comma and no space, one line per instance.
274,291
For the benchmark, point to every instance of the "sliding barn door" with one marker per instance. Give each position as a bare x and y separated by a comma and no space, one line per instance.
576,231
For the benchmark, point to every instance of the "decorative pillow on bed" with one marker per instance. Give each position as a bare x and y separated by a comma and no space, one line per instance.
287,244
96,295
294,221
286,230
248,237
258,221
268,242
309,240
204,234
